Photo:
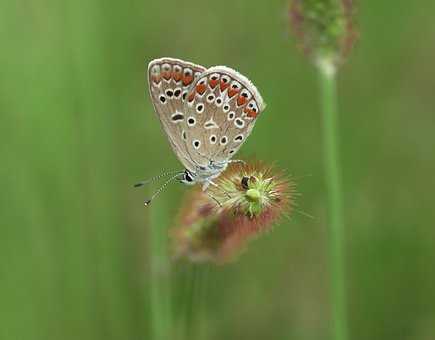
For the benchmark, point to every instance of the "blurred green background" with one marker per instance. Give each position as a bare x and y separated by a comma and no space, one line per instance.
77,129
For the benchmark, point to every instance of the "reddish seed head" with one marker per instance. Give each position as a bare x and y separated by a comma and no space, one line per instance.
251,198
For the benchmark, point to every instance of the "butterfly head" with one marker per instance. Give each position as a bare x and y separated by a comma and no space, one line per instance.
203,173
188,178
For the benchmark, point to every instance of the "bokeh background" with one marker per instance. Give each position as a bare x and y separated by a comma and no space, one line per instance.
77,129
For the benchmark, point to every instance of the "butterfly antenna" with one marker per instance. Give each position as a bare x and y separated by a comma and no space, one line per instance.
155,178
159,190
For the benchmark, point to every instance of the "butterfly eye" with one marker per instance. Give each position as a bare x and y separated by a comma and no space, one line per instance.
162,99
213,139
188,72
184,95
226,108
203,81
169,93
232,151
177,92
166,67
231,115
224,140
184,135
188,177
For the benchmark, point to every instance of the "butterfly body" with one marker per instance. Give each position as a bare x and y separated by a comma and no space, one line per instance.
207,114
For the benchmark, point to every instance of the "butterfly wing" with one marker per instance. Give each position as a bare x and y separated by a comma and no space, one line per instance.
221,109
169,81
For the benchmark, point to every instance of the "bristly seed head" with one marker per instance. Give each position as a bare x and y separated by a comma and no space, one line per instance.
251,190
215,226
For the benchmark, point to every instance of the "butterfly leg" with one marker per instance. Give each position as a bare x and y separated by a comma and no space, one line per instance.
214,199
212,163
237,161
205,186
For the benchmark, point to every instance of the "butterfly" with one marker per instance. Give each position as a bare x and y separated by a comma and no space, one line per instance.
206,114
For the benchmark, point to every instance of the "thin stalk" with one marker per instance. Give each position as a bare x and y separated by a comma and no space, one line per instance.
160,289
190,312
194,302
334,194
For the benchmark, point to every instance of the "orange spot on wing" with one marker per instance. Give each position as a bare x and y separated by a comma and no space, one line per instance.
241,100
232,92
177,75
156,79
213,83
191,96
187,80
166,75
200,88
224,85
250,113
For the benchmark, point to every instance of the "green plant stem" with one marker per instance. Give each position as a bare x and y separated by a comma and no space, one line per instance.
335,209
194,307
160,289
190,311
